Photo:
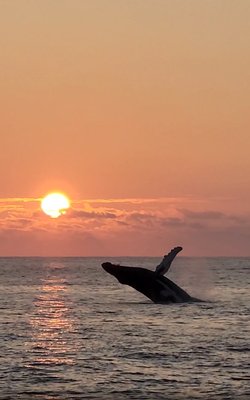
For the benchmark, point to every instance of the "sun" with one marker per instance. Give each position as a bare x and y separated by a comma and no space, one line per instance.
55,204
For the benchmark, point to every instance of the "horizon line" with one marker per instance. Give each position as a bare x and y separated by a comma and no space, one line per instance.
121,256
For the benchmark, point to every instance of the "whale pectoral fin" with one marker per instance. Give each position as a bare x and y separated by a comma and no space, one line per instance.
164,266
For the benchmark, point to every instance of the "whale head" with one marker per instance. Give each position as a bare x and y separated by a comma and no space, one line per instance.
122,274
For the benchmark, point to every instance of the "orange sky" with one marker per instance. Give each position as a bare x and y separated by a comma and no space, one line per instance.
120,100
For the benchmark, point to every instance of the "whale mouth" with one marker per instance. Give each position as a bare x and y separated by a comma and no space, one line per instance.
108,267
111,269
122,274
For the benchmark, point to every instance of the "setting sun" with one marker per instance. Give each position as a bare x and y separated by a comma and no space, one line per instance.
55,204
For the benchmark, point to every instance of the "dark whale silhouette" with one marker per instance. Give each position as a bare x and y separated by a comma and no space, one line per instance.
153,284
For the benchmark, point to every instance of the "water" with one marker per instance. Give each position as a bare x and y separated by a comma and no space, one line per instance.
68,330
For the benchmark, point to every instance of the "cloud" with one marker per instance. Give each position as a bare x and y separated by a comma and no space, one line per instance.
16,200
173,221
214,219
91,214
202,214
139,218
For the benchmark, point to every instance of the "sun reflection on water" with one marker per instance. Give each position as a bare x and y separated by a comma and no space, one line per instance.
51,325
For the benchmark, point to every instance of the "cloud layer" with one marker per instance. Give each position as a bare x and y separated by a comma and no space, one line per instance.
124,227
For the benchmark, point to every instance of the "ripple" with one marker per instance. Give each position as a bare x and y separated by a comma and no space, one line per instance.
70,333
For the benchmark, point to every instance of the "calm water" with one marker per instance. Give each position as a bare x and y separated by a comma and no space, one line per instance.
68,330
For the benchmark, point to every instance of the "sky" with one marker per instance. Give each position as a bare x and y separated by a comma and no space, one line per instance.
138,110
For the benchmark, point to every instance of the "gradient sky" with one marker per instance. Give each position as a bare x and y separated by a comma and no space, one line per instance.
139,111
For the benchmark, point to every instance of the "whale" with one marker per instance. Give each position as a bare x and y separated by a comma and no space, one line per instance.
151,283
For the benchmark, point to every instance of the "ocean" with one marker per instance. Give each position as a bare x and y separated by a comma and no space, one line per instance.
69,330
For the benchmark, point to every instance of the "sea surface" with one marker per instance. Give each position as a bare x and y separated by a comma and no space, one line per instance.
69,330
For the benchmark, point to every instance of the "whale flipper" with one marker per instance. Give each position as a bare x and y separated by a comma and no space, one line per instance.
164,266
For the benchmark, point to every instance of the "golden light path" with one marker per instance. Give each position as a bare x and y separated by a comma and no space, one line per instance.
51,323
55,204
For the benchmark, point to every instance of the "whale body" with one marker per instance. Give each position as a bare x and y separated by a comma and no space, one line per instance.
152,284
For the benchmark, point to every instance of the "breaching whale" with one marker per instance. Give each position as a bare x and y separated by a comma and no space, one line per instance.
153,284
